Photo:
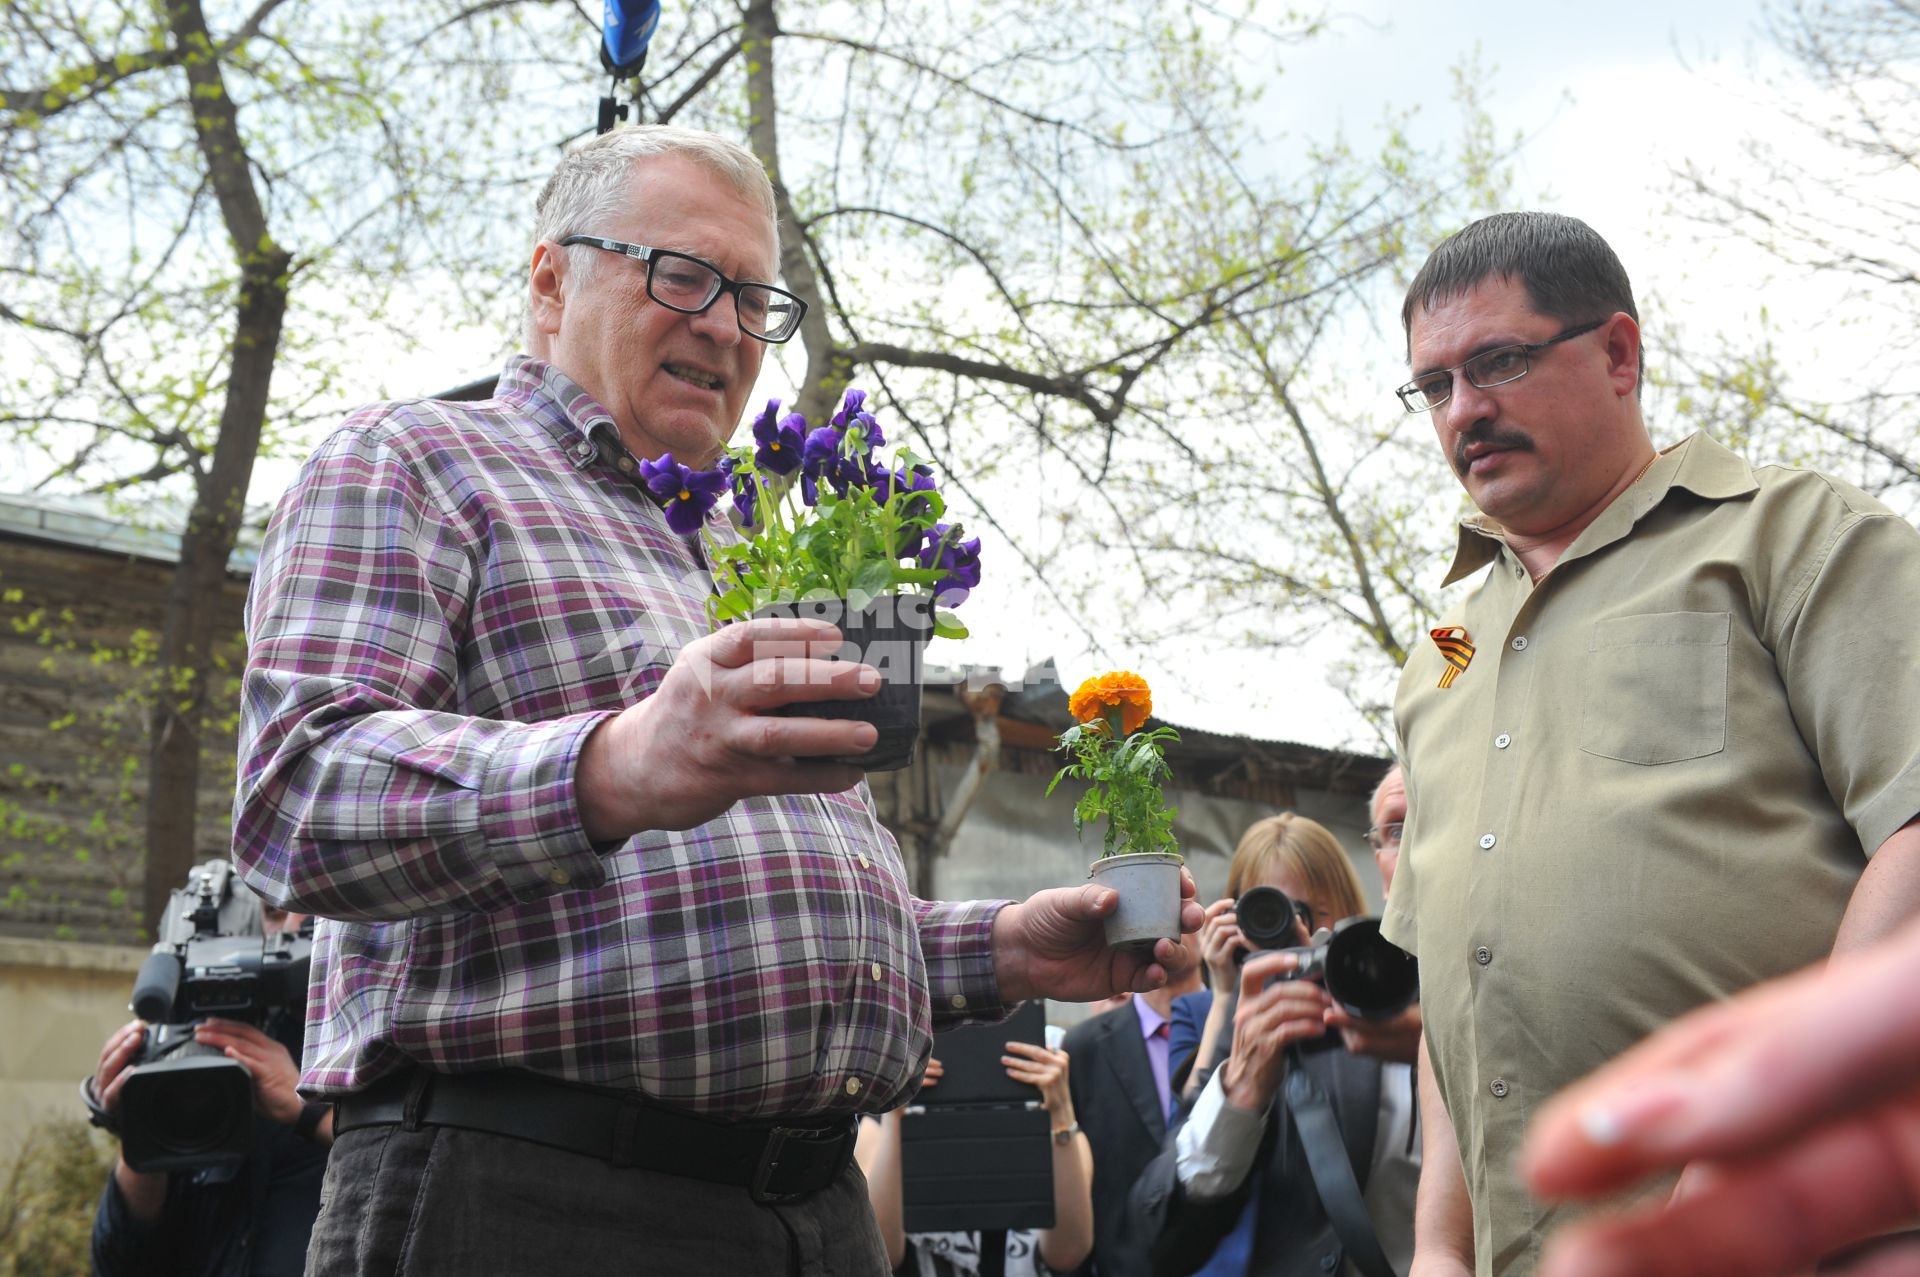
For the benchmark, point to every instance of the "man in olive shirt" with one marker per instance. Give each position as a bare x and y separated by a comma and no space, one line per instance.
1667,747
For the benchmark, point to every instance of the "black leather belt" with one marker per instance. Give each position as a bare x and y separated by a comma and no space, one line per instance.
774,1162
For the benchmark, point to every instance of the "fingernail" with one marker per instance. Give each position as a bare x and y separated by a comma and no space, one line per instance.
1601,1125
1609,1122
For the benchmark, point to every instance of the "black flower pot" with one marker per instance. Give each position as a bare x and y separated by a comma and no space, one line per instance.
891,635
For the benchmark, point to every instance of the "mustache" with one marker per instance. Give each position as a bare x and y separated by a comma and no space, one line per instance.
1486,433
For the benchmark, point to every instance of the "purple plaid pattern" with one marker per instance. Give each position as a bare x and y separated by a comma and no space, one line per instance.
450,598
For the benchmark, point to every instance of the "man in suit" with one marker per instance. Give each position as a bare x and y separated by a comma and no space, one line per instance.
1118,1072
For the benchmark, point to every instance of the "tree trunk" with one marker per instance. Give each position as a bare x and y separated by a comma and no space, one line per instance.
827,371
186,637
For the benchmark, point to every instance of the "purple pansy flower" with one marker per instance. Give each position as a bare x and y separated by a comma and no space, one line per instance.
959,559
912,538
746,490
849,406
778,439
816,457
886,484
688,494
854,416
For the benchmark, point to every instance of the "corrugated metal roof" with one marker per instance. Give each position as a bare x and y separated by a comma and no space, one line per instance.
1039,697
87,522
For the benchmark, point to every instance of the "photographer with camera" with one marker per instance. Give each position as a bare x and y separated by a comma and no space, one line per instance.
1300,1153
221,1161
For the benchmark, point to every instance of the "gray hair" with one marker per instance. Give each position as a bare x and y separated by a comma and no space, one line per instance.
1373,799
1569,272
590,183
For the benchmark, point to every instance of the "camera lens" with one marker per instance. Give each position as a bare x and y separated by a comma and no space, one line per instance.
1369,974
1265,915
192,1109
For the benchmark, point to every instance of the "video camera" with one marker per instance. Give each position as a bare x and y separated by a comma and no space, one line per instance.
184,1105
1363,971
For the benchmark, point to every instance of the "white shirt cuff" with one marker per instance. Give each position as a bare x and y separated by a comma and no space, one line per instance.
1215,1148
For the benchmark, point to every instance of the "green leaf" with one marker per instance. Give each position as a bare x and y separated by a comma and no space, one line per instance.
948,626
735,605
874,577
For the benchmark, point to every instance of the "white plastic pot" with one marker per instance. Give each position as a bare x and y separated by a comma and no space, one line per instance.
1149,887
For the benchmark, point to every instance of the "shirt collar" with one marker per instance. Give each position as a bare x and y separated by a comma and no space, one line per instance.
1698,463
574,419
1150,1019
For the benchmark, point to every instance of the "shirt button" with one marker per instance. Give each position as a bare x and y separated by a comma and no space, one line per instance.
853,1086
1498,1086
626,465
1487,841
1520,643
559,877
864,862
1327,1262
1502,741
876,971
1483,955
1518,571
958,1001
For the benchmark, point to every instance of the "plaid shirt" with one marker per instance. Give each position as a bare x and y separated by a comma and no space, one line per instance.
450,598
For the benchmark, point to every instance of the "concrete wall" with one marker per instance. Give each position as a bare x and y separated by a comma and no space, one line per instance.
58,1003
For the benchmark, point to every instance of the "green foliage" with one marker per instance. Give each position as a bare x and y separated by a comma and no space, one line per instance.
1124,781
71,813
123,276
844,545
1821,197
47,1200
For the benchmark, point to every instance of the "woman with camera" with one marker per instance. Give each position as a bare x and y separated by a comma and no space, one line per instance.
1300,1151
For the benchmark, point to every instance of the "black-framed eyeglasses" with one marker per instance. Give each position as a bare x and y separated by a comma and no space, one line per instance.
1485,370
690,286
1380,837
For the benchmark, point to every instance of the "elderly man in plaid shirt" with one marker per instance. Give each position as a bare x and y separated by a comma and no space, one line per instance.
610,958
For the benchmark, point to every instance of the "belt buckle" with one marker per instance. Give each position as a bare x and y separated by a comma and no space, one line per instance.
762,1187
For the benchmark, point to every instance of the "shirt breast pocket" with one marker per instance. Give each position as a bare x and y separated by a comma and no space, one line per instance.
1656,687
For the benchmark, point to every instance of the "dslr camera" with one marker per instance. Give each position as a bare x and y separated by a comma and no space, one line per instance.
185,1106
1363,971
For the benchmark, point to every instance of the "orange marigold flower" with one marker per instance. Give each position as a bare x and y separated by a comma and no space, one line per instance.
1129,691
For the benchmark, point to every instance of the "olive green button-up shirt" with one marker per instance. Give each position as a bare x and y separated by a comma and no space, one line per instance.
1655,782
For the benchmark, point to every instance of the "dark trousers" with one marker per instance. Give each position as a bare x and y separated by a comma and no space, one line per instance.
466,1204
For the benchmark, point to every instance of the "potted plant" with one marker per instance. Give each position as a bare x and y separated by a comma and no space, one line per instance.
1124,768
823,527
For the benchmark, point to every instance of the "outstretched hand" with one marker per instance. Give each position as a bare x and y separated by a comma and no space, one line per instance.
1053,945
1797,1106
703,740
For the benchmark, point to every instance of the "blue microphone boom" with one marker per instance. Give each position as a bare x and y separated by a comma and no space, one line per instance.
626,27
